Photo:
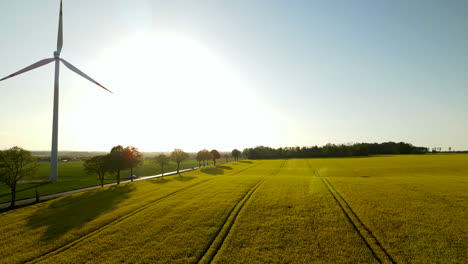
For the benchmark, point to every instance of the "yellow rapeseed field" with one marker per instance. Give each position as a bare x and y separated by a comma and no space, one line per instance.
388,209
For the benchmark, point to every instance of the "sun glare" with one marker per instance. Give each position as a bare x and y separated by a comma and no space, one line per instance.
171,87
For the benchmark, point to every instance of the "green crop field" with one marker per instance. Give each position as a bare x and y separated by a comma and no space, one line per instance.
73,176
387,209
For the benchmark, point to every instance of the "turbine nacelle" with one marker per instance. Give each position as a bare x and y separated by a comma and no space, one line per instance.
56,55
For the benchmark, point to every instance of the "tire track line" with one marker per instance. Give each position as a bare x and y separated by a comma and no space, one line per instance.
115,221
96,231
217,241
215,244
194,174
374,245
244,169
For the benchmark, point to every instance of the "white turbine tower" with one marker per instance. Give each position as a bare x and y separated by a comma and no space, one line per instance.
57,59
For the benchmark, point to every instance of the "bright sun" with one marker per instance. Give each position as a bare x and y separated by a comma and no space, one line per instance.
168,87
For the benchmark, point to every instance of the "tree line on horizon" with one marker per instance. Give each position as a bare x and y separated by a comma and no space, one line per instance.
17,163
332,150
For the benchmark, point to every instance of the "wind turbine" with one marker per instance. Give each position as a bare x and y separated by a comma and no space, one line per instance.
54,155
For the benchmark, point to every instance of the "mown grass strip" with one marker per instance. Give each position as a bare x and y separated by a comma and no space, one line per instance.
96,231
378,251
217,241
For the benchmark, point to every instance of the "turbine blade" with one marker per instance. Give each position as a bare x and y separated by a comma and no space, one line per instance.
73,68
31,67
60,31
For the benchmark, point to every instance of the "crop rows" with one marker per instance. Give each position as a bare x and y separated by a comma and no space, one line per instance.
371,241
367,210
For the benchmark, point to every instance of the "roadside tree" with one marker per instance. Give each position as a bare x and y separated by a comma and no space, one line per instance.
15,164
206,156
162,160
235,153
178,156
132,158
97,165
116,161
215,155
199,157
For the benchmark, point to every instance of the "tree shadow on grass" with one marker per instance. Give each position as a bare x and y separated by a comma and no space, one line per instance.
25,186
217,170
74,211
181,177
159,180
223,167
213,171
244,161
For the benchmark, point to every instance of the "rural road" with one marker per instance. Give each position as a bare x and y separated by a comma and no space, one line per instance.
55,195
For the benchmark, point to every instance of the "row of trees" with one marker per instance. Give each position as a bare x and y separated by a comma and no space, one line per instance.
118,159
121,158
17,163
236,154
203,156
331,150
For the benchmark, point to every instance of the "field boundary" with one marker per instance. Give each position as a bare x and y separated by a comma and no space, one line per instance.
94,232
50,196
217,241
371,241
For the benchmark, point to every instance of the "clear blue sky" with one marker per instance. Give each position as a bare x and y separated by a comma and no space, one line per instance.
235,74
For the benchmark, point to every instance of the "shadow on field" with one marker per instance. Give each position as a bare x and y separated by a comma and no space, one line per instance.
24,187
218,170
244,161
181,177
74,211
159,180
224,167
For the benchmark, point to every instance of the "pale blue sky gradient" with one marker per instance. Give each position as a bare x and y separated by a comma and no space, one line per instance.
320,71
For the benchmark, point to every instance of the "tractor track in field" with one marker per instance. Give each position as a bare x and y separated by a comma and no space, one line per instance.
244,169
96,231
371,241
217,241
24,218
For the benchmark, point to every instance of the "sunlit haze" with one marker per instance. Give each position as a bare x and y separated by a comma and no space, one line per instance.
236,74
